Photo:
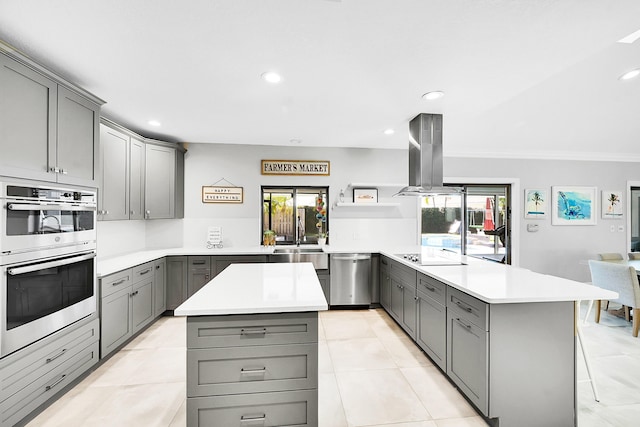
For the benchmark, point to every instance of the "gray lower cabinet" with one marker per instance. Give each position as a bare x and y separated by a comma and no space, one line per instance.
53,130
199,273
467,346
245,370
431,332
160,287
126,305
402,296
219,263
324,277
36,374
177,274
385,283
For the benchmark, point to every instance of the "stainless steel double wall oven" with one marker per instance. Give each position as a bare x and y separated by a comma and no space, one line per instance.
47,260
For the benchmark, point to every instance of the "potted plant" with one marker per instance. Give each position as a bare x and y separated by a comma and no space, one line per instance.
322,238
269,238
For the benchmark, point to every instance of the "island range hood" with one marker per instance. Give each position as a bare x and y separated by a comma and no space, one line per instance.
425,158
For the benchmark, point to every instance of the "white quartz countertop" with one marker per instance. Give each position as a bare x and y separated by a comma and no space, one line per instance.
258,288
497,283
488,281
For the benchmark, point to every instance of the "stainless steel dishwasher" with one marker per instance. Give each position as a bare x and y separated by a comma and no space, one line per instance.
350,279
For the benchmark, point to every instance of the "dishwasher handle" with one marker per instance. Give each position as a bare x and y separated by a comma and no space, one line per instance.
354,257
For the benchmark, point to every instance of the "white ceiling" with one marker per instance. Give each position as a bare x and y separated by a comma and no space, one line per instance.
522,77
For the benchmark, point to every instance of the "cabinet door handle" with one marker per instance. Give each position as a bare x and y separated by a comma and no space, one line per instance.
244,371
55,383
416,298
464,307
262,331
157,267
467,327
244,419
133,294
52,358
63,172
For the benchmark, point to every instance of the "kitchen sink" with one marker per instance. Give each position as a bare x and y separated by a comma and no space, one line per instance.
314,255
297,250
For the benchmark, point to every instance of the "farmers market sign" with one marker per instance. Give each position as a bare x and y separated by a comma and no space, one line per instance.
295,167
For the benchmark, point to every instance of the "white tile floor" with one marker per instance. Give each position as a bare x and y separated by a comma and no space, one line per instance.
371,374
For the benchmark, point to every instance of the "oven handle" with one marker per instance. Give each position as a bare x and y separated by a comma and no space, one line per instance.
49,264
48,207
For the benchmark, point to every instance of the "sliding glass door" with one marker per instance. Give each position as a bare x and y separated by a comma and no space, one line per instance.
474,222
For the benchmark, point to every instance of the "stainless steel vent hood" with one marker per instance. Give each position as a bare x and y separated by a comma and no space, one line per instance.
425,157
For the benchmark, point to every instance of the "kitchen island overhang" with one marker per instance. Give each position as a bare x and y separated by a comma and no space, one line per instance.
252,346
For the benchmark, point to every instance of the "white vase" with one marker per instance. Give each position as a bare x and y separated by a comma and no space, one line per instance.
322,241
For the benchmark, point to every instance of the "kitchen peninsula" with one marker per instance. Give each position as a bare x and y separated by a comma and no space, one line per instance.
252,346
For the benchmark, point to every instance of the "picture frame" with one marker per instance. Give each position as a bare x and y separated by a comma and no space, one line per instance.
573,205
611,204
365,195
536,202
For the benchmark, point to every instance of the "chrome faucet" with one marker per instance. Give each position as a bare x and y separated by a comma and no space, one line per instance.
299,229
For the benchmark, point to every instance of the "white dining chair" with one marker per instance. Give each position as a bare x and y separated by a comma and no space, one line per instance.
619,278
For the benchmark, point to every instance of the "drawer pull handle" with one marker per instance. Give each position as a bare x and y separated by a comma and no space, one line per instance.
430,289
55,383
464,307
145,272
252,418
119,282
262,331
244,371
202,262
51,359
467,327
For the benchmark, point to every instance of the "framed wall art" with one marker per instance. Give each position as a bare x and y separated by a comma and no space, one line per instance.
535,202
611,203
365,195
573,205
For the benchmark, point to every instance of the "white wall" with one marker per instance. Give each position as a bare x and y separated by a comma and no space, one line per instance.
558,250
205,164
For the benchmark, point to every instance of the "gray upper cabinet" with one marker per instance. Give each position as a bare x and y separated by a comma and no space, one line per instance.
54,130
136,178
160,182
76,156
25,122
113,197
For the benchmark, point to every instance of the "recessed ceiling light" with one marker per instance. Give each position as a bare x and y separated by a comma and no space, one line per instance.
389,131
630,74
154,123
430,96
630,38
271,77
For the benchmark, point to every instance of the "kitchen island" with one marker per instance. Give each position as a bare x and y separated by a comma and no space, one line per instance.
252,347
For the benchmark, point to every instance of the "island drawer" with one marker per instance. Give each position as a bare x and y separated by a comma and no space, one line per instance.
286,408
434,289
472,309
142,271
252,330
260,369
114,282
